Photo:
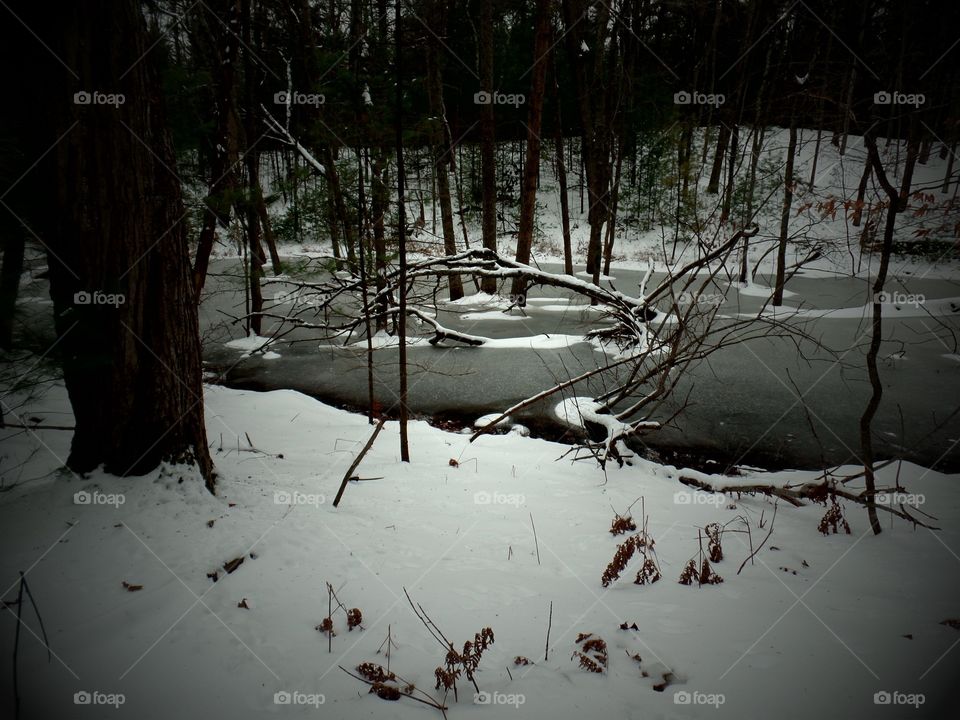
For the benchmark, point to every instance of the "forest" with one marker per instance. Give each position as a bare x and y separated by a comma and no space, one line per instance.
334,331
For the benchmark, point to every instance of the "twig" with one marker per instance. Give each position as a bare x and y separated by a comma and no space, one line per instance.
546,650
769,533
356,462
537,544
431,701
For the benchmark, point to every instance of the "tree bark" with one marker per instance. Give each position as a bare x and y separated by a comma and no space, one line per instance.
223,144
13,247
528,193
876,330
401,231
723,137
785,218
441,148
132,369
488,167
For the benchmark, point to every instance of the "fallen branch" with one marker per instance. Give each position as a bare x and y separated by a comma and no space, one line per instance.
808,491
356,462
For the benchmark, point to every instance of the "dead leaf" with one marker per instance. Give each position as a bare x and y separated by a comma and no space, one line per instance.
233,564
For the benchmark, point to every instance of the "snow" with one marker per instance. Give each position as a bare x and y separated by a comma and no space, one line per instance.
940,307
751,289
535,342
814,627
252,343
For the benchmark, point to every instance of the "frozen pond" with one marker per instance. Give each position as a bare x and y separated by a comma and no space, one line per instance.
744,405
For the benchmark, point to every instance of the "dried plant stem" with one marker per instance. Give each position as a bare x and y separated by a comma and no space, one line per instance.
535,542
546,650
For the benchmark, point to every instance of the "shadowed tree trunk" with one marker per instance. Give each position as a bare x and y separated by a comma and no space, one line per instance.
13,246
221,48
876,328
785,218
528,193
723,137
596,61
441,149
132,368
488,167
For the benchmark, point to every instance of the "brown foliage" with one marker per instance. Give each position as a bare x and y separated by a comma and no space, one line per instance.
592,654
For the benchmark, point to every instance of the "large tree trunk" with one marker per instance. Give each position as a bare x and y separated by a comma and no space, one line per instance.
785,218
488,166
132,369
531,168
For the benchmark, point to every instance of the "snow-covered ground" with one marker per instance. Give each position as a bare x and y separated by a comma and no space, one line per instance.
487,534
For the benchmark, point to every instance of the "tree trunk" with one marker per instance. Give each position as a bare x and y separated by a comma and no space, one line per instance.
913,150
785,218
401,231
340,207
861,193
723,137
731,175
132,368
223,143
876,328
488,167
378,209
441,148
528,193
614,202
756,146
948,175
596,117
13,247
562,182
252,161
